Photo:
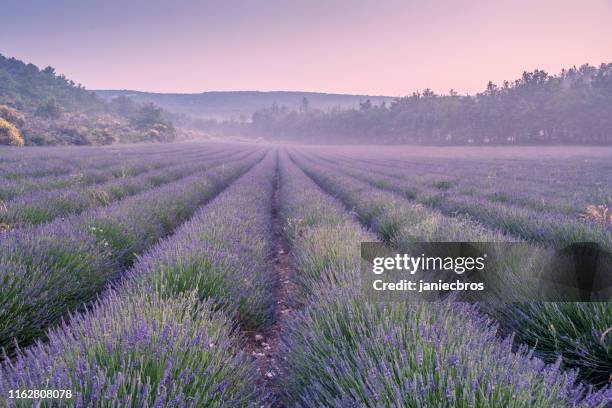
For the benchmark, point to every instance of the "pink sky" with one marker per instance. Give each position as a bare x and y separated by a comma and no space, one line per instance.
388,47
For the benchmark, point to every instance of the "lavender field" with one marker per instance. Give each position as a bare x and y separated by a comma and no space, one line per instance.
203,274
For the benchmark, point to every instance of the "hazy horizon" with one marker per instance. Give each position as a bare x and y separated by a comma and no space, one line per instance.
386,48
235,91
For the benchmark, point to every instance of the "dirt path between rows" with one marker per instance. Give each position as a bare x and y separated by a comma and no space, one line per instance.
265,346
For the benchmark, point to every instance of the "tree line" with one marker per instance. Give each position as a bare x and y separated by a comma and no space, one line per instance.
572,107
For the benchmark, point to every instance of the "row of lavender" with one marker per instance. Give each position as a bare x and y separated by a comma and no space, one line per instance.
38,179
163,336
45,205
52,269
511,207
573,331
549,184
60,157
40,172
342,350
29,163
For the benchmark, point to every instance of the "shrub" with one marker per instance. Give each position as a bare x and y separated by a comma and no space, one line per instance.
139,351
443,184
49,109
104,136
12,115
345,351
73,135
214,253
351,353
572,331
160,132
49,271
9,134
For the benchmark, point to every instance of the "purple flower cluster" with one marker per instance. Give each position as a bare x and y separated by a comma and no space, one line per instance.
159,338
519,208
91,170
141,351
325,238
418,354
223,252
395,219
572,330
342,350
56,267
45,205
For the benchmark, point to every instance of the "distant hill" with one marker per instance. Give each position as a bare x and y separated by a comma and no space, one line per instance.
227,105
40,107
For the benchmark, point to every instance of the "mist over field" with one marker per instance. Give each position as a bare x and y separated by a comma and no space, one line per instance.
240,105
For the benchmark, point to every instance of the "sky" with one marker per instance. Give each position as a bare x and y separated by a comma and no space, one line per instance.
377,47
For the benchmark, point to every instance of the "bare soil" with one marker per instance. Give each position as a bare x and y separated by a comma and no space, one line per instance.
264,346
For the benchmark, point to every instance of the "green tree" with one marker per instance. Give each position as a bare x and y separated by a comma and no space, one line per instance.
49,109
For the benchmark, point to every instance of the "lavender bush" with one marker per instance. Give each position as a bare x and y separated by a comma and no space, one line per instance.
394,218
572,331
96,170
575,332
325,238
499,210
156,338
43,206
347,352
343,351
216,255
138,351
55,268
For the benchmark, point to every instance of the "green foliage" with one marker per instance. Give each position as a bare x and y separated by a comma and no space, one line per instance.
52,110
443,184
199,271
9,134
49,109
571,107
12,115
151,119
24,86
574,331
148,115
104,136
124,106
